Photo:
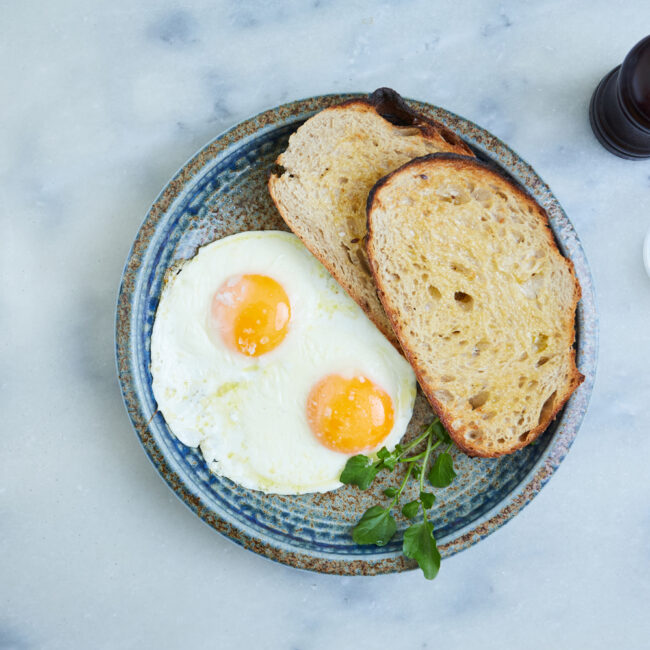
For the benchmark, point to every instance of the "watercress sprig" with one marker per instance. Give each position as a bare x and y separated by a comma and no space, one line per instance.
377,525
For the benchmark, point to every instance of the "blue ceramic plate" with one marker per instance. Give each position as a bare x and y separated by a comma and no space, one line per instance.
221,191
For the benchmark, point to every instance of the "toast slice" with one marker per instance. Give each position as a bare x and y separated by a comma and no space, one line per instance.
480,297
330,165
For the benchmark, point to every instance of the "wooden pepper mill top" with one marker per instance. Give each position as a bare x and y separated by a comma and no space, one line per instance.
620,106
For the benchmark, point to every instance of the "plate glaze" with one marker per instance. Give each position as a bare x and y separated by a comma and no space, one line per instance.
222,191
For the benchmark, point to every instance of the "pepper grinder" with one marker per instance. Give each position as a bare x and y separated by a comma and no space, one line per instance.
620,106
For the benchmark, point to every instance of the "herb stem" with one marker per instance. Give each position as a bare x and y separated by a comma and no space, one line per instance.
401,487
411,459
424,464
419,439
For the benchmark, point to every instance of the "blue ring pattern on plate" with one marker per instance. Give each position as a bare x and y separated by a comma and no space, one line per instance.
222,190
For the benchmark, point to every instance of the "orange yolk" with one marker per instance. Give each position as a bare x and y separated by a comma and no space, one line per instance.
251,313
349,415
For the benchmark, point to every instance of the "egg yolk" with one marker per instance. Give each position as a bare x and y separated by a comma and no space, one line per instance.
251,313
349,415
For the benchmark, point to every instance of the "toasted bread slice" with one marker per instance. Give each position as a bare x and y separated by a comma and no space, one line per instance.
481,299
332,162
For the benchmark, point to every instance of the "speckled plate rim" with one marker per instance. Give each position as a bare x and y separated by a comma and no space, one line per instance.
141,414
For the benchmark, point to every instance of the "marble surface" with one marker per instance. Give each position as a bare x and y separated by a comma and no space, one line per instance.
101,103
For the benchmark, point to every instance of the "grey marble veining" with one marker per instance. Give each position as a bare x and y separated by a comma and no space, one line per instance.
101,103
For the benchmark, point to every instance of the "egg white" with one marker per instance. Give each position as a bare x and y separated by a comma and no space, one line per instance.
248,414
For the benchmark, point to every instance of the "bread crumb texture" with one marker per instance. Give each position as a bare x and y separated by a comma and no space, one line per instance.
330,165
480,297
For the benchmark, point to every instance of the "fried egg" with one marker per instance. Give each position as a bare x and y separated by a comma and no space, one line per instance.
259,358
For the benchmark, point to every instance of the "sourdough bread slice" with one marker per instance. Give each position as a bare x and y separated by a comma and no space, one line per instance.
481,299
330,165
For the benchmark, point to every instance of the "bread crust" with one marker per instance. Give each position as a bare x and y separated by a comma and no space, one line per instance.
457,433
389,105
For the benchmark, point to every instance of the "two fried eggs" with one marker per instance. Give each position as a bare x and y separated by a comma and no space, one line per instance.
260,358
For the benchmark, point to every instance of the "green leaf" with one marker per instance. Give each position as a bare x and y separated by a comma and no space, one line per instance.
377,526
387,459
441,432
398,449
389,463
417,470
383,453
360,471
427,499
410,510
442,473
420,545
390,492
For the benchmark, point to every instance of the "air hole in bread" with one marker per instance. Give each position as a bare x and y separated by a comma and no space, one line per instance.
424,177
524,436
406,131
532,383
521,381
541,361
523,357
363,262
481,346
447,378
488,416
482,195
547,408
343,180
540,342
473,435
531,287
501,440
442,395
464,300
347,252
476,401
463,270
463,342
434,292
